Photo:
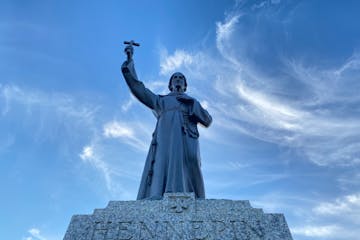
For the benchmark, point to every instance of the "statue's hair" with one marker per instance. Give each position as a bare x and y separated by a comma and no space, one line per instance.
169,86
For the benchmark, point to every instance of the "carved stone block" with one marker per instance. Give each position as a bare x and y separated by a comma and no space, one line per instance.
178,216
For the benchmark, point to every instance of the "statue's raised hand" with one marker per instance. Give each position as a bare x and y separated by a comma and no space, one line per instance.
129,51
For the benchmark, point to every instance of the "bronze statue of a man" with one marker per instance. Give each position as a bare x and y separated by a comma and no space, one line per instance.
173,162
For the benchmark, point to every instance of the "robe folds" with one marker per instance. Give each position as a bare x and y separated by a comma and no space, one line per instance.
173,162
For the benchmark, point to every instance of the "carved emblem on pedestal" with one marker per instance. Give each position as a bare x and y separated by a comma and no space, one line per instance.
179,204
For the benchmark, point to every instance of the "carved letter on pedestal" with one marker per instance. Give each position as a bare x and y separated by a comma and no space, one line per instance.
198,230
244,231
146,232
100,230
174,232
178,216
124,231
218,228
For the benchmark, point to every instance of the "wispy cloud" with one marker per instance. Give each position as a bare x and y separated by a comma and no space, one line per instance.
316,231
326,220
32,100
133,134
349,180
94,156
170,63
326,85
128,104
326,231
338,219
247,100
78,122
224,31
192,64
113,167
35,235
348,207
88,155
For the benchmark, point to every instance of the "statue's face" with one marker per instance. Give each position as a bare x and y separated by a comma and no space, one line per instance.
178,83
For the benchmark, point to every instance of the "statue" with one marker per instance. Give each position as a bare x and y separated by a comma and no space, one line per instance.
173,162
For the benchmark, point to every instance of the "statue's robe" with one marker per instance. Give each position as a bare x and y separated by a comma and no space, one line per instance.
173,162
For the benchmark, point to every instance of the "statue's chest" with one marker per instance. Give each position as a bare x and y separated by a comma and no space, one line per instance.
171,104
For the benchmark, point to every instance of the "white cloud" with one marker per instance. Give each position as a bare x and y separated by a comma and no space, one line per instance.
128,104
88,156
91,155
35,233
118,130
174,62
133,134
58,102
327,231
252,103
110,163
224,30
76,121
259,5
51,108
281,201
347,206
224,33
316,231
87,153
353,63
269,110
349,180
191,64
338,219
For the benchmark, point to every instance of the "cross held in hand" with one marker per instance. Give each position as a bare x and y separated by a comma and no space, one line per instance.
129,50
132,43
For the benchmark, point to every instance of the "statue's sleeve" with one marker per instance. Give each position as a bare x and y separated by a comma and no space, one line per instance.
200,115
137,88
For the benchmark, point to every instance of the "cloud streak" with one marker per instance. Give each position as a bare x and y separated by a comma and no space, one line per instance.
35,235
88,155
316,231
248,100
17,98
72,122
346,207
170,63
129,133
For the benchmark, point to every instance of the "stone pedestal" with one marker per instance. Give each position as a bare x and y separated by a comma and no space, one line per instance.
178,216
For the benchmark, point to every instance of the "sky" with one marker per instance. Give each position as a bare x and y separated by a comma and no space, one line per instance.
280,79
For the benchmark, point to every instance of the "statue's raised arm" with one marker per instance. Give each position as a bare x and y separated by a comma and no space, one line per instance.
136,87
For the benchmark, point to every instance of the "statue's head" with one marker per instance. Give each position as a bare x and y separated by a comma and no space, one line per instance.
177,82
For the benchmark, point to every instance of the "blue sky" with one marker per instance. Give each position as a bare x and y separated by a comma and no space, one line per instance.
280,78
